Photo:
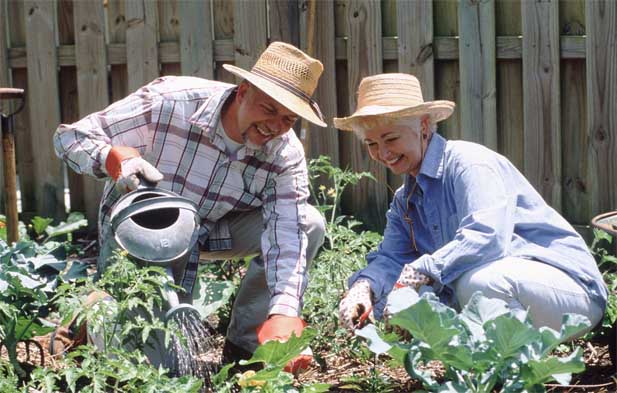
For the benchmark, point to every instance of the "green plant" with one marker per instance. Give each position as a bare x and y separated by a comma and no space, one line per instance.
607,263
343,252
483,348
273,355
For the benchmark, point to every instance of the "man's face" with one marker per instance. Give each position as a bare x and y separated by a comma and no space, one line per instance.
260,117
398,147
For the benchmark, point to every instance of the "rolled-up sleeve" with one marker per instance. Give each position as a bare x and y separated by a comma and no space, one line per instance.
385,264
486,212
84,145
284,240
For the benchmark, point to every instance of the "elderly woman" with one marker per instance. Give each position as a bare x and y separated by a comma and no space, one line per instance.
465,220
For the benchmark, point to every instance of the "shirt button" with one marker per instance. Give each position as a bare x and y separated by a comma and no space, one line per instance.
435,227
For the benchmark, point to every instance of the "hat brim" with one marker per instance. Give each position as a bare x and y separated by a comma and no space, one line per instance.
283,96
438,110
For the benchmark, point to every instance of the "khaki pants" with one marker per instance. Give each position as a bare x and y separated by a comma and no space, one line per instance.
253,298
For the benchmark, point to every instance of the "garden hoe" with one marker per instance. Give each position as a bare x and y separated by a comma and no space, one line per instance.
8,148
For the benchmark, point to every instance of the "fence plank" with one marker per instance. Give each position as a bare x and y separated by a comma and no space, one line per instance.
541,98
478,105
324,141
141,42
509,88
196,39
223,13
42,62
251,36
91,81
5,81
116,30
364,58
447,84
23,147
575,141
602,101
415,43
169,33
69,111
284,17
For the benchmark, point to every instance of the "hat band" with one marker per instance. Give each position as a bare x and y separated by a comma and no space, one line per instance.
291,88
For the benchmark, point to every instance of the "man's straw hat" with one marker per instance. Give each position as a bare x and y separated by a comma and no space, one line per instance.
288,75
393,95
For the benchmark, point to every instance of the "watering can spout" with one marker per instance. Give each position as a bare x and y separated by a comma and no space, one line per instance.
174,306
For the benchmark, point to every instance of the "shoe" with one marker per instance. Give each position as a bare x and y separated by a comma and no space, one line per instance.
233,354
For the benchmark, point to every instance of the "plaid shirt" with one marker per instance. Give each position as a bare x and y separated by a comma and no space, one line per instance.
173,123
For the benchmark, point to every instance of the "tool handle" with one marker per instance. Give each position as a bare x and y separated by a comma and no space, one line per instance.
11,93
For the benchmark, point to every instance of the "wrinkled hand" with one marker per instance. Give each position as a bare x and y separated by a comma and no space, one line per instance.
280,328
356,305
410,277
125,165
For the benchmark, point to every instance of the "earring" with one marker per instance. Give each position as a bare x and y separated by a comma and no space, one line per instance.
424,136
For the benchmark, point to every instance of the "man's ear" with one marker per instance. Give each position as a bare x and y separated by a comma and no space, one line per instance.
243,89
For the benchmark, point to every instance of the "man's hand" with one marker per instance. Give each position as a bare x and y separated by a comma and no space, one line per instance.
124,164
357,305
280,328
410,277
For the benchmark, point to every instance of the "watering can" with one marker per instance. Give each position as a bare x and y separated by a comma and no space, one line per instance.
158,228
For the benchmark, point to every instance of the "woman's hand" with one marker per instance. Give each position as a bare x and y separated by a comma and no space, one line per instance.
357,305
410,277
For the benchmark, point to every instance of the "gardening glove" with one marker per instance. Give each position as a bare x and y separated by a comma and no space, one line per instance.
124,164
357,305
410,277
280,328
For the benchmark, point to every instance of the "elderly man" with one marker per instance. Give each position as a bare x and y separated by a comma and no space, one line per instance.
232,151
465,220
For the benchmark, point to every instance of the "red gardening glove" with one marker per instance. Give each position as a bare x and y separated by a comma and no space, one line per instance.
124,164
280,328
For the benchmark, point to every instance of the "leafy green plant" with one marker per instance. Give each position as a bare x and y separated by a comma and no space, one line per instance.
273,355
343,252
121,371
607,263
483,348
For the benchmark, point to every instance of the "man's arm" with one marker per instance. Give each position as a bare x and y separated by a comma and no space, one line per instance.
284,240
84,145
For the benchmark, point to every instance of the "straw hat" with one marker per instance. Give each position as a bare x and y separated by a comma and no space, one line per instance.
393,95
288,75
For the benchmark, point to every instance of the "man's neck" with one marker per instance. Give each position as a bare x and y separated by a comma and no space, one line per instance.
229,117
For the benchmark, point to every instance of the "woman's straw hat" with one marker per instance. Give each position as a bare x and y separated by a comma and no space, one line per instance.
288,75
393,95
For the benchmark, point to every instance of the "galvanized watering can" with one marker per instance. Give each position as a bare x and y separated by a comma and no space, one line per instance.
158,228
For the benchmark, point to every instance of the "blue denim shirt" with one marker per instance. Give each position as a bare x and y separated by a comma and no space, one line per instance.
472,206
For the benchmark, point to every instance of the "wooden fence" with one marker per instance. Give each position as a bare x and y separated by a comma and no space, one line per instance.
534,80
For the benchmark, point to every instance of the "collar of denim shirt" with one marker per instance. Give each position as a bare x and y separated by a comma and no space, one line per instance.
432,166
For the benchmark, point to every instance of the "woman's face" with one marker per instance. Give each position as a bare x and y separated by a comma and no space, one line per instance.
400,147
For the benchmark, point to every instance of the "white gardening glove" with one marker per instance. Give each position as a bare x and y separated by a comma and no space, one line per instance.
131,168
124,164
357,305
410,277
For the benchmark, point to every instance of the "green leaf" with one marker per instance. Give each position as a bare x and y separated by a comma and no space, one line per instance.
277,354
39,224
210,295
316,388
375,343
74,222
78,270
509,335
480,310
537,372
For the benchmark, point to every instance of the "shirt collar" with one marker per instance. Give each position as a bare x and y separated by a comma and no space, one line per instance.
432,165
208,115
